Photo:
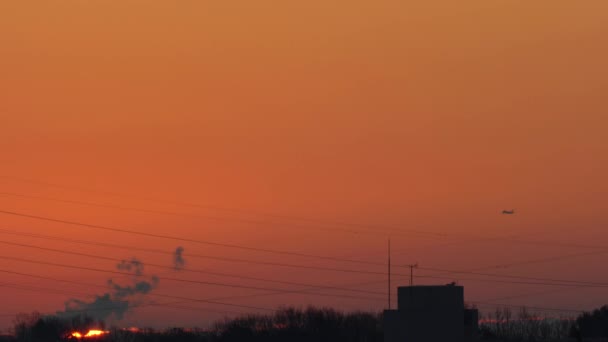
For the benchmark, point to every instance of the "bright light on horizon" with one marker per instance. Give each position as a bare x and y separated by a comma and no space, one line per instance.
90,333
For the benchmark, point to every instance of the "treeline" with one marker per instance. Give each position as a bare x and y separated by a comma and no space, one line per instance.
312,324
593,324
286,324
37,327
321,324
505,326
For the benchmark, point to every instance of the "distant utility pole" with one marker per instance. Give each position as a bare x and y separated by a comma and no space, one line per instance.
389,273
412,272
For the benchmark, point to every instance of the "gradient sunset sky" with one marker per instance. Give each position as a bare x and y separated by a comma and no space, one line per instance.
319,127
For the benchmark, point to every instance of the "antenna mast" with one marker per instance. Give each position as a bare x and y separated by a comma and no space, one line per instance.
412,272
389,273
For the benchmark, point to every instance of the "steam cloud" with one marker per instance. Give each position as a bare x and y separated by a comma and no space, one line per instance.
132,265
178,258
116,302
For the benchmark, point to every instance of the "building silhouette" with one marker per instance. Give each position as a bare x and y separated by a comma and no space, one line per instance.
430,314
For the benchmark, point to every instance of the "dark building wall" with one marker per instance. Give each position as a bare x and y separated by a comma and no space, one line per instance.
471,324
394,326
427,314
431,298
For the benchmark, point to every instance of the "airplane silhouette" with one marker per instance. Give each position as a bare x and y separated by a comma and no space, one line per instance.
508,212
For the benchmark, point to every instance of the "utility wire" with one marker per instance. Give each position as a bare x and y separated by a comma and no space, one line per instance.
538,293
188,270
89,285
177,238
178,279
258,288
198,256
210,301
174,304
501,281
217,298
538,261
219,208
528,307
537,281
111,307
182,301
373,232
575,282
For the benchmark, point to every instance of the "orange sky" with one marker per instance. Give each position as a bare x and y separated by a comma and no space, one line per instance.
430,116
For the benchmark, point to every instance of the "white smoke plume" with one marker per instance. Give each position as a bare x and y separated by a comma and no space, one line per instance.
116,302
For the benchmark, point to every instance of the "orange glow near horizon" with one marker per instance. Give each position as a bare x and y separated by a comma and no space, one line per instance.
318,127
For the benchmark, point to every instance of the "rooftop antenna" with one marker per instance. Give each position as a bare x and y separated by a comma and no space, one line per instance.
389,273
412,266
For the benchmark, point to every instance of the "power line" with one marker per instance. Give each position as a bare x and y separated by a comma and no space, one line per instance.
172,304
359,261
308,290
106,307
539,260
138,306
176,238
189,270
534,261
569,246
538,293
319,221
278,291
179,279
183,299
219,208
207,217
528,307
537,281
88,285
40,289
198,256
210,301
517,277
515,238
111,307
500,281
